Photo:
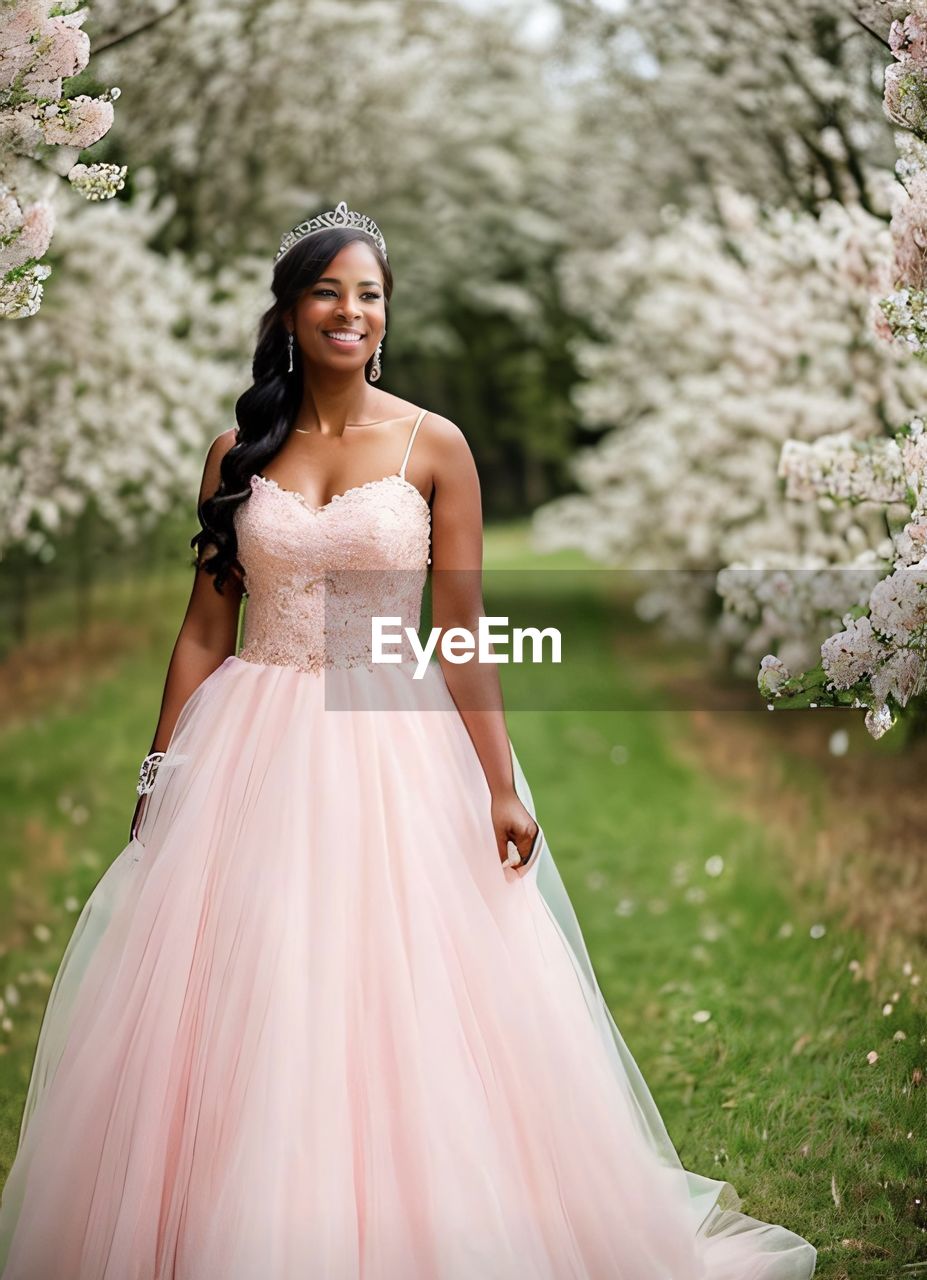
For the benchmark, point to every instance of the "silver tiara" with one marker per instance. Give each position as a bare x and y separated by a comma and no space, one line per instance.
340,216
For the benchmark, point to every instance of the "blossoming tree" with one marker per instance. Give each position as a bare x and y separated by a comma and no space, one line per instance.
718,344
113,389
42,132
879,658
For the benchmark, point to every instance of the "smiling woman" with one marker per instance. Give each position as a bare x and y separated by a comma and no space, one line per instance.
346,313
330,1012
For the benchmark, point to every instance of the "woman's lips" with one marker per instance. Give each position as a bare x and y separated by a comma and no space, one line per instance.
344,342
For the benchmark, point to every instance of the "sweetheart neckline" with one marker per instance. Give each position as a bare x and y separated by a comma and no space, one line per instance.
301,499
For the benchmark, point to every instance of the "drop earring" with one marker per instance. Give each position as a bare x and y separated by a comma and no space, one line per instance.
375,369
289,343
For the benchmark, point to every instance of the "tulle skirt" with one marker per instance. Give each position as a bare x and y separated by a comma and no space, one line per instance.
307,1026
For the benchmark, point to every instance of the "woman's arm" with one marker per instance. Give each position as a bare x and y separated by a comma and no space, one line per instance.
457,601
209,628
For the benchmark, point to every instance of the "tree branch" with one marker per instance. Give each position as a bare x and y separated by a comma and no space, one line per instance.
100,45
875,35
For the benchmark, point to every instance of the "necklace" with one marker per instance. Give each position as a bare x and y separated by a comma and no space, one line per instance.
311,431
376,422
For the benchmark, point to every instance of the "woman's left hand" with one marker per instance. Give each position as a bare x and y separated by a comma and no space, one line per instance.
512,821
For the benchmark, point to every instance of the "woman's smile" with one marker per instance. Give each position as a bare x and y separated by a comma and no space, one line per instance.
343,337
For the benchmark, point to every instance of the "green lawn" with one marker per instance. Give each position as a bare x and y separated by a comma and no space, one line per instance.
686,906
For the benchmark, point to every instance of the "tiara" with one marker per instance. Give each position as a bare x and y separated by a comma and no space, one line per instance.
340,216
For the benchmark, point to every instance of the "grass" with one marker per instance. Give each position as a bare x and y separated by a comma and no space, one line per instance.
695,899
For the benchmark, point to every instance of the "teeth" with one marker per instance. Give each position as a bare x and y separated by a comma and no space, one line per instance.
346,337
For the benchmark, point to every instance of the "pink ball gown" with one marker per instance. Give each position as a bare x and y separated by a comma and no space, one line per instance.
307,1026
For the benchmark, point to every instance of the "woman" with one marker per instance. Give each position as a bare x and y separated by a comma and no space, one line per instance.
329,1014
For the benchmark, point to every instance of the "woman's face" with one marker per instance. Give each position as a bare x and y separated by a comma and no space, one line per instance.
347,297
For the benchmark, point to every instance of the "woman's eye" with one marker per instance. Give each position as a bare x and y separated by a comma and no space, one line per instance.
320,292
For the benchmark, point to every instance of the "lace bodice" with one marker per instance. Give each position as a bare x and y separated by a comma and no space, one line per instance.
316,576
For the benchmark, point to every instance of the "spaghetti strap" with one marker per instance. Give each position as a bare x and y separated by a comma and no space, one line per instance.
402,469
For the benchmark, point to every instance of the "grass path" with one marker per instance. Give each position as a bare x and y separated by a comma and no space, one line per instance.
690,907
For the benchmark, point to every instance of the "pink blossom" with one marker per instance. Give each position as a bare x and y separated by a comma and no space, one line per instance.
852,654
908,40
22,21
33,238
42,50
902,676
65,50
21,129
81,122
909,229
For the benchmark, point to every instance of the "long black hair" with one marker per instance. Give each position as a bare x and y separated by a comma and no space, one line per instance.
265,413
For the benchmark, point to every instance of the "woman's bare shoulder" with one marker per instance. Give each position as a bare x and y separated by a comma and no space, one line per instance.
220,445
447,451
214,455
444,432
